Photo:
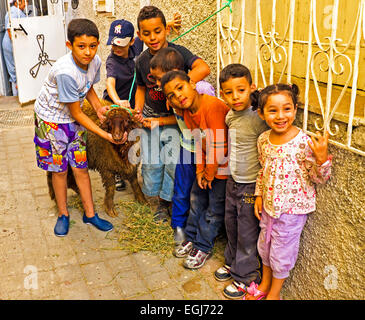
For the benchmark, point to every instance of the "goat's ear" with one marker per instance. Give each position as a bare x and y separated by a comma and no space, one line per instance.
133,123
105,125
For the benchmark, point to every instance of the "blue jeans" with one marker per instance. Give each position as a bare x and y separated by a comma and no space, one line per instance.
185,174
206,216
7,48
160,150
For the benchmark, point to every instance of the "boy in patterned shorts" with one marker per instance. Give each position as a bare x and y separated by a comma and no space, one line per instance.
60,124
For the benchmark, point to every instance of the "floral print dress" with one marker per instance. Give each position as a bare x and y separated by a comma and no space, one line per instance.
288,175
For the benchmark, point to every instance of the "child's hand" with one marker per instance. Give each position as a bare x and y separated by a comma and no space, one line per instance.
167,105
258,207
201,181
150,123
101,113
123,103
138,115
175,24
319,146
209,184
124,140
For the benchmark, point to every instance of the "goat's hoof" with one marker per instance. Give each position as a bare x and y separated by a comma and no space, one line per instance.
112,213
141,199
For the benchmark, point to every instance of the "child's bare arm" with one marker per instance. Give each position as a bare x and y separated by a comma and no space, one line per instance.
139,102
199,70
161,121
112,92
94,101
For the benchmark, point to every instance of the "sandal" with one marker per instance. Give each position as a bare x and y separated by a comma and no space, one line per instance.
256,293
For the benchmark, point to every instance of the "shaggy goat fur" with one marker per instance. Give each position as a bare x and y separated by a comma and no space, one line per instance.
107,158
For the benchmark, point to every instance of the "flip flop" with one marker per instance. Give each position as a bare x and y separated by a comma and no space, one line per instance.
256,293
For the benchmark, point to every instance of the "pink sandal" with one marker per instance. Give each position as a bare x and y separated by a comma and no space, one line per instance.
253,291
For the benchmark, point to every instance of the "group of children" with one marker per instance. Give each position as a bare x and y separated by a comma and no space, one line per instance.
238,164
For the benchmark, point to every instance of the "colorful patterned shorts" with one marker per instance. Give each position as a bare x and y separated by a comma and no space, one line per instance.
58,145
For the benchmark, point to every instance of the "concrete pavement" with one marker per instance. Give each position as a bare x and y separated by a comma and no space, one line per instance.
86,264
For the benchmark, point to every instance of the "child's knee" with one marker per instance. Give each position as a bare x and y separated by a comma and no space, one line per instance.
59,174
80,171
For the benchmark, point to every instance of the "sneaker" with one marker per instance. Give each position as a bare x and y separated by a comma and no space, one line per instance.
62,226
97,222
195,259
120,184
236,290
162,213
183,249
179,235
223,274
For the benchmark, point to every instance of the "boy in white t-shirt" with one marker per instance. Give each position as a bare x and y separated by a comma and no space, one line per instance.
60,124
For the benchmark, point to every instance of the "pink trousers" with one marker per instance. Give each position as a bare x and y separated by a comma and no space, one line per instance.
278,242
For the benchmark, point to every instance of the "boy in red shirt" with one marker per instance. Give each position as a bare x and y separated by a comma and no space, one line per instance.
205,115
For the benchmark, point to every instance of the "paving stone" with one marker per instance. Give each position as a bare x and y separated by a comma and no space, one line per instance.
110,292
12,283
111,250
69,273
158,280
44,202
74,290
169,293
47,285
11,263
62,256
198,289
121,265
131,284
146,296
148,263
96,274
21,294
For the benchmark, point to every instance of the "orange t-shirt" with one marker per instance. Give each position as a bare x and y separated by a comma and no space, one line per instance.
211,138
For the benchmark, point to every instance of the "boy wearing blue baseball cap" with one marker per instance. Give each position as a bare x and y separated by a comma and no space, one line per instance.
120,69
120,63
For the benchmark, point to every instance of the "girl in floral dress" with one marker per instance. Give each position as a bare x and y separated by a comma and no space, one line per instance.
292,163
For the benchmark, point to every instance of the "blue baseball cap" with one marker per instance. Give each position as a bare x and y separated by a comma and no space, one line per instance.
121,32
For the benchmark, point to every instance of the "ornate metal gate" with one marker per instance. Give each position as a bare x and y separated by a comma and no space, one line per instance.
319,45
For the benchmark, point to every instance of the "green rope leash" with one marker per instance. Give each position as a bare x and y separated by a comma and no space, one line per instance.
117,106
227,4
131,90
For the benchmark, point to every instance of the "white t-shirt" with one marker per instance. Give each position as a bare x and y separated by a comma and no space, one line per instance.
66,83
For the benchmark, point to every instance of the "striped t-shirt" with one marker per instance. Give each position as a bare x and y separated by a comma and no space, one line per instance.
66,83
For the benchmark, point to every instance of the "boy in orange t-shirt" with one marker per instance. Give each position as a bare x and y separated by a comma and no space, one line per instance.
205,116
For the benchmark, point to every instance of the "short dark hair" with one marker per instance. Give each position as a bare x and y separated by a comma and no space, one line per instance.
234,70
80,27
149,12
171,75
167,59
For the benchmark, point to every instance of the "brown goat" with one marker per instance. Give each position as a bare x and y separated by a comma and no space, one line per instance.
107,158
